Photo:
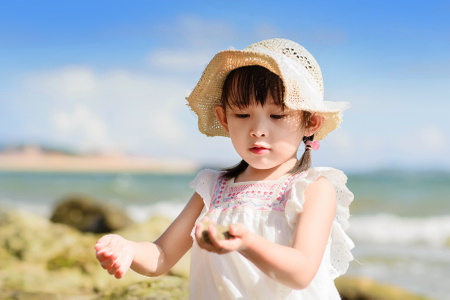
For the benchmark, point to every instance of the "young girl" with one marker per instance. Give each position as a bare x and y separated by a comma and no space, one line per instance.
285,222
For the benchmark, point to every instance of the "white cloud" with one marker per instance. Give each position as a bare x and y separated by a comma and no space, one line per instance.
195,41
433,139
426,140
87,130
342,140
169,129
424,146
110,109
68,82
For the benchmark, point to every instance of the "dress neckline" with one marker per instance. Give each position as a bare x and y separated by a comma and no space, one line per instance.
280,179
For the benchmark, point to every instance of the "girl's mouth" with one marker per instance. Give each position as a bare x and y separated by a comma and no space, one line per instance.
259,150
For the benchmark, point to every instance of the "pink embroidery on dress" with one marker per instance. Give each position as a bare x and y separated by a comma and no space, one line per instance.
256,196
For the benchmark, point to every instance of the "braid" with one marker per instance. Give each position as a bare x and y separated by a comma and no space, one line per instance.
305,161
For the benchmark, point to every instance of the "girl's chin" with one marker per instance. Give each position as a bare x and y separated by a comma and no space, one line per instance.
263,166
266,166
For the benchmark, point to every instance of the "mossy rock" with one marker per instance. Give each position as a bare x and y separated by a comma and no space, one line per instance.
161,288
35,279
367,289
89,215
21,295
78,255
39,257
5,258
29,237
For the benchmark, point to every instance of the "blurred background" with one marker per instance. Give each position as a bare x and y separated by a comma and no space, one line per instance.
92,102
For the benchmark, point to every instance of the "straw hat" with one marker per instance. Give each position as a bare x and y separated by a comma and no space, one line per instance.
296,67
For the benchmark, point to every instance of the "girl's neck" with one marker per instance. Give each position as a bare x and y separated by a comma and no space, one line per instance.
253,174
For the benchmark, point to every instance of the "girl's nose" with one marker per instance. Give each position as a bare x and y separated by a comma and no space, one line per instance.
257,133
259,129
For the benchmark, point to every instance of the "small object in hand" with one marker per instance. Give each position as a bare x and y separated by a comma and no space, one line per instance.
222,232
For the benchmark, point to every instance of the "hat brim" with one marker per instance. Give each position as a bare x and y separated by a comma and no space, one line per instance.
208,92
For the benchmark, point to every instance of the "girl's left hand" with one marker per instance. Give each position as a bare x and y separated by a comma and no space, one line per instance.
239,240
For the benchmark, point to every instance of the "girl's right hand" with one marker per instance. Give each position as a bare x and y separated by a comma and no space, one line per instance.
239,237
115,254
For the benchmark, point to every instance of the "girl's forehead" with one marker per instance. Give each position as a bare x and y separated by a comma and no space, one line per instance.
268,105
252,101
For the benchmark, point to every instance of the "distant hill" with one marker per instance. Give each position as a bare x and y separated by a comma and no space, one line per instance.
45,149
44,158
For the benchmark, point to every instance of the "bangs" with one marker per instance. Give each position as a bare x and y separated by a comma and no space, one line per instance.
250,85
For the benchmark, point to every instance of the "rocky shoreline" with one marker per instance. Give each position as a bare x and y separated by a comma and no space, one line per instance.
40,259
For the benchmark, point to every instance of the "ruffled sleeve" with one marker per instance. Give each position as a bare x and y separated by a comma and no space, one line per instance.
340,243
204,185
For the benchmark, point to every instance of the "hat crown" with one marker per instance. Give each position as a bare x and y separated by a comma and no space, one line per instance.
298,57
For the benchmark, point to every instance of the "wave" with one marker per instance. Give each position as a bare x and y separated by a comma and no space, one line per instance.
137,212
371,230
388,229
141,213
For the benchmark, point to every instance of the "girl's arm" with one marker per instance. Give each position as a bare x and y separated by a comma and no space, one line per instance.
293,266
117,254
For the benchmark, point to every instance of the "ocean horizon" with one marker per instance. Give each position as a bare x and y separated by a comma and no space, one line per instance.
400,219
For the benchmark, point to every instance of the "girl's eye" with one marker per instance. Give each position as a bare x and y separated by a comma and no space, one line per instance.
277,117
242,116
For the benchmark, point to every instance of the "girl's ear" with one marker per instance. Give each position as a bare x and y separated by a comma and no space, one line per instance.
314,124
222,117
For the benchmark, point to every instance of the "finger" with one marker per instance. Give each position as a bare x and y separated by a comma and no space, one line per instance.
205,219
218,246
198,230
213,235
98,246
103,254
208,247
113,268
202,243
233,244
116,263
105,260
109,261
106,264
121,272
200,233
115,242
237,229
102,242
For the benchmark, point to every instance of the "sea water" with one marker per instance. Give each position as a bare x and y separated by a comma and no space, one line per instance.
400,220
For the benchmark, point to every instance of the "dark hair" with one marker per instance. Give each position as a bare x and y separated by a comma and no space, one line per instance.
250,85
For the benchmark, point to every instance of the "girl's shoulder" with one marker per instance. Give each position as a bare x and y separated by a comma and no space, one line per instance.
335,176
204,182
209,173
338,180
341,244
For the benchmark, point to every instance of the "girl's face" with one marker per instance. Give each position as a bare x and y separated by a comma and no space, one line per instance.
264,136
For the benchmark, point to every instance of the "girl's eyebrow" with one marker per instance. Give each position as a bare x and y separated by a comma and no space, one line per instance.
236,109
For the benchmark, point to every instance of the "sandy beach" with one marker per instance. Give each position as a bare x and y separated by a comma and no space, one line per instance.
35,160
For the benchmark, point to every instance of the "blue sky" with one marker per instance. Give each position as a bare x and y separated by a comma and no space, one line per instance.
112,75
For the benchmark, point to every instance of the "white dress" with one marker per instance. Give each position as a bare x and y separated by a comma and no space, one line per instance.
270,209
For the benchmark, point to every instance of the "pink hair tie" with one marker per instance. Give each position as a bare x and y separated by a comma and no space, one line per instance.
312,145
